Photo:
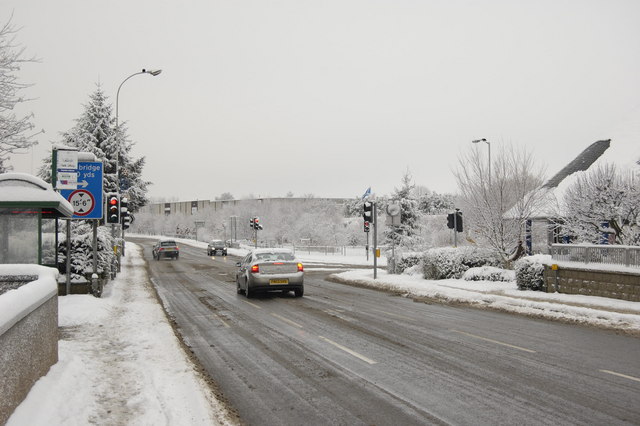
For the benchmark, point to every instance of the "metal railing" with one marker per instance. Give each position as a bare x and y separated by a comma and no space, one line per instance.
326,250
597,253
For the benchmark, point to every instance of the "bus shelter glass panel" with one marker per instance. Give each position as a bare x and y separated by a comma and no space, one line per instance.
18,235
49,242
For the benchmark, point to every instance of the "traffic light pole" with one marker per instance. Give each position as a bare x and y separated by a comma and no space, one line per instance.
375,241
455,229
367,249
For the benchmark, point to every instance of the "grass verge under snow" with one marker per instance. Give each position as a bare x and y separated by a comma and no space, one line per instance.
590,310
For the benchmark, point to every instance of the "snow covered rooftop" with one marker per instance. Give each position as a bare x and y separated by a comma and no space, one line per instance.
22,189
580,163
622,150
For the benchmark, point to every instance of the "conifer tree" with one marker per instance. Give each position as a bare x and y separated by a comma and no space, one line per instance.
95,132
407,234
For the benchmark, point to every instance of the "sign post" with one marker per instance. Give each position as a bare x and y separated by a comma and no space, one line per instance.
86,199
64,165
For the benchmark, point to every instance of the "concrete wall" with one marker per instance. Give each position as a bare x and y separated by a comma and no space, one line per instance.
28,340
616,285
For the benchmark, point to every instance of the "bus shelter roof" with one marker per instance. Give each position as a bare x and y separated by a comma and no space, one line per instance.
29,193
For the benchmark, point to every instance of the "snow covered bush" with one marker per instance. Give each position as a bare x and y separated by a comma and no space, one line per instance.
489,273
82,252
529,272
448,262
405,261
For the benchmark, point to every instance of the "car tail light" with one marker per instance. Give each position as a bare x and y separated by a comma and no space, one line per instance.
255,268
300,267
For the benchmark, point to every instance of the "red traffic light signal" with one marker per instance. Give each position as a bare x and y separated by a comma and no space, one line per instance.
366,226
113,208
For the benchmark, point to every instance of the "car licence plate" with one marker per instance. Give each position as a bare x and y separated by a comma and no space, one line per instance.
276,282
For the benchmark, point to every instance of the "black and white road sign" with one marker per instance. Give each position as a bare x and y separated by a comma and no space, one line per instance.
82,201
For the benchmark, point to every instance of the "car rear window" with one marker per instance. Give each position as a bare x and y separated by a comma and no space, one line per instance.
167,243
275,257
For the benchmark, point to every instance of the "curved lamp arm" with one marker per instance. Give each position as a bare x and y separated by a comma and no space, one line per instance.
144,71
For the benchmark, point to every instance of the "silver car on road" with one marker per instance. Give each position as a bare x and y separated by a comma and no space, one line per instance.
270,269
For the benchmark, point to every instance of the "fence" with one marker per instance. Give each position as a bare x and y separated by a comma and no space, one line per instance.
594,253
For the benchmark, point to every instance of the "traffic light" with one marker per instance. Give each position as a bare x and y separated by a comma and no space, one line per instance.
113,208
450,220
124,213
251,223
256,223
459,221
368,211
366,226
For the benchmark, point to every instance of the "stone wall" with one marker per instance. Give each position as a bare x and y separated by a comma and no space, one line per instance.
616,285
28,340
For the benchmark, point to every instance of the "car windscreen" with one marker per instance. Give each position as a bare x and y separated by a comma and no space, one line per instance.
275,257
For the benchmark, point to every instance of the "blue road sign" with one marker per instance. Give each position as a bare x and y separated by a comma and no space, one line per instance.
86,199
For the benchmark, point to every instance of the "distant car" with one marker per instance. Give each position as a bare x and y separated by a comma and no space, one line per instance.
270,269
165,248
216,246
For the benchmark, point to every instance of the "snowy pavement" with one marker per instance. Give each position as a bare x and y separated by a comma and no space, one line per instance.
602,312
121,363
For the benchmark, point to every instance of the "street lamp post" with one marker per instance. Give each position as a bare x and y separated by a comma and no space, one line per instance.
144,71
489,145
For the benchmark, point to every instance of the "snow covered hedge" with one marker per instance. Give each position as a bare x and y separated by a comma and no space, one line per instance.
448,262
529,272
405,261
82,252
489,273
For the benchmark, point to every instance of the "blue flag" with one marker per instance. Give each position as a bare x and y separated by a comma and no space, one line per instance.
366,193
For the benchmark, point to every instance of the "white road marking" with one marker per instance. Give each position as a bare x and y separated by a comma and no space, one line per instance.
621,375
252,304
495,341
288,321
349,351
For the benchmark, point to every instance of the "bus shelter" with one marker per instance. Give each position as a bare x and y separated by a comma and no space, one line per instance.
29,208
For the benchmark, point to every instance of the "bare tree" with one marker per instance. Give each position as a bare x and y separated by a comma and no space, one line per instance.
601,202
495,207
13,128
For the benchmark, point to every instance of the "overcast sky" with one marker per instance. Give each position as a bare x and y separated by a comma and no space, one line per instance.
330,97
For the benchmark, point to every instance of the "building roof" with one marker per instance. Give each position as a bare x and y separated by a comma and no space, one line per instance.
580,163
26,191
